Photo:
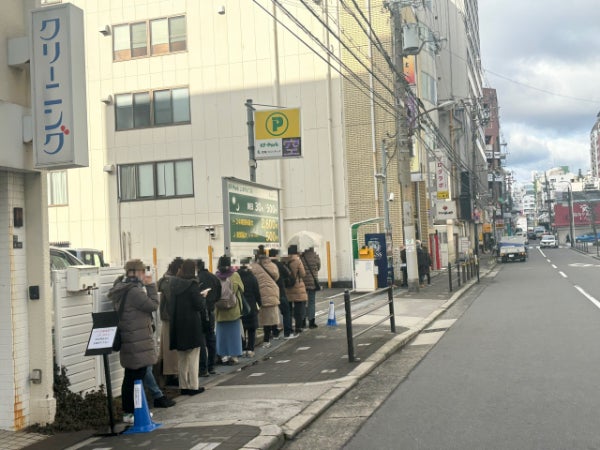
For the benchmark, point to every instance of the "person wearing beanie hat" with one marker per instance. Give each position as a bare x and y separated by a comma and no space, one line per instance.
138,292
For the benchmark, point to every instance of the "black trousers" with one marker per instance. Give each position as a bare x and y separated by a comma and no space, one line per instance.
208,352
299,314
249,340
127,387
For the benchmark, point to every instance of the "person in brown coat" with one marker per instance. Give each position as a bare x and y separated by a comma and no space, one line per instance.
312,265
138,291
297,293
267,274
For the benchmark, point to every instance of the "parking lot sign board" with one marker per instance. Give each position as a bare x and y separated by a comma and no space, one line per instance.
277,134
251,216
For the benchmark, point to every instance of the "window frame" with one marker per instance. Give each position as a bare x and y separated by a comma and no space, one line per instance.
51,190
172,46
152,109
155,181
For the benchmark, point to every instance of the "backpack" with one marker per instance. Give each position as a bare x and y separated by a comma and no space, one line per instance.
228,299
289,280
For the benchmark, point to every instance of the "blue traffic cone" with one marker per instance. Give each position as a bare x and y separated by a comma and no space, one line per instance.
142,421
331,322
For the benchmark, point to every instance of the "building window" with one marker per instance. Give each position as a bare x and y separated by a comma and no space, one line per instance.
152,109
156,180
428,88
57,188
153,37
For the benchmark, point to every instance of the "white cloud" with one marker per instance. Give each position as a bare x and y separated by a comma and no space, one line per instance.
556,49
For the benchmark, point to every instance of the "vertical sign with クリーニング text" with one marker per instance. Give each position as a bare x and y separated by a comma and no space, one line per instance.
277,134
250,216
59,87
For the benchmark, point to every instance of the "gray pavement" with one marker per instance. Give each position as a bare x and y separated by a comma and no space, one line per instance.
263,400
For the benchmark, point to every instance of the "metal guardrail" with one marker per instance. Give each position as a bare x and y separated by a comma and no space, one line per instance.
584,247
350,336
464,270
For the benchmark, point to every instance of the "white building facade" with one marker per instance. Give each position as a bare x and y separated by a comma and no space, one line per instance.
26,367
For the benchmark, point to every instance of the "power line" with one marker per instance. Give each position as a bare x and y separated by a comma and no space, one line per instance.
353,81
545,91
336,58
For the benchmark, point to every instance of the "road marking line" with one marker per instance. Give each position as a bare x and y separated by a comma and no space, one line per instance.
588,296
562,274
548,259
554,266
257,374
283,361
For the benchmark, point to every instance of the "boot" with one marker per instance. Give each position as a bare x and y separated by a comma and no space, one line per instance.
304,323
312,324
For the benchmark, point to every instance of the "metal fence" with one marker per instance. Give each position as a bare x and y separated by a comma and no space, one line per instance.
350,335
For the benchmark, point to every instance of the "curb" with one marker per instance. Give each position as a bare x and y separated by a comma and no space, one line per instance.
296,424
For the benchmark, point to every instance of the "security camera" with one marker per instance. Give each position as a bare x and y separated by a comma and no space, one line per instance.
391,197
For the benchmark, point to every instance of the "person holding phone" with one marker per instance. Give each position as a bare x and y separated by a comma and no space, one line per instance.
138,291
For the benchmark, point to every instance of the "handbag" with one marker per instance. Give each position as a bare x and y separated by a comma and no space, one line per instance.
317,285
118,342
246,309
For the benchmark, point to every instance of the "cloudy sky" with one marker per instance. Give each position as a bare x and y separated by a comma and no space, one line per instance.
543,58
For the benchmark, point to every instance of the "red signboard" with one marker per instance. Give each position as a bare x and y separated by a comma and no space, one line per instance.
581,212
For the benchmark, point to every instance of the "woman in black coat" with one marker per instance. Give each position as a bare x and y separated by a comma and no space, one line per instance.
187,311
252,296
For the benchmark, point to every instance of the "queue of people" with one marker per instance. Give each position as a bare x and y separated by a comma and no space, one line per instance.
208,318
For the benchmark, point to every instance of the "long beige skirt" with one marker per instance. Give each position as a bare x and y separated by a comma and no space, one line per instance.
169,357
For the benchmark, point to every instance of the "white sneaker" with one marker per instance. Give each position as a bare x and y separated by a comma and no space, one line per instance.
250,354
129,418
291,336
266,345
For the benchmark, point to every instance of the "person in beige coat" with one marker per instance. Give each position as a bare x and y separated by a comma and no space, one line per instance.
267,274
297,293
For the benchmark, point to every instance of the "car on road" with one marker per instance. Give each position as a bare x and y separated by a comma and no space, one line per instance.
539,232
548,240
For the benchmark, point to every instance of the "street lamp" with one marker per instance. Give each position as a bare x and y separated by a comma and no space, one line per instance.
571,215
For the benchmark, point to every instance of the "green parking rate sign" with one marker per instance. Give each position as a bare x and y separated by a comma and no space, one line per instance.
253,219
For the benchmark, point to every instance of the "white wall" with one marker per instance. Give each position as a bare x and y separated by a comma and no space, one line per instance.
230,58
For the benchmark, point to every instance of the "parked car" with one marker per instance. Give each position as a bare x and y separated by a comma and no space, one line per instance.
61,259
89,256
588,237
548,240
531,235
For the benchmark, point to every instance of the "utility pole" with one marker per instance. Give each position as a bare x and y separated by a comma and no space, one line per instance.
403,148
251,147
386,214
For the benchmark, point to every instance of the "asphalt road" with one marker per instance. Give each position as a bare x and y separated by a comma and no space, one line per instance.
518,370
